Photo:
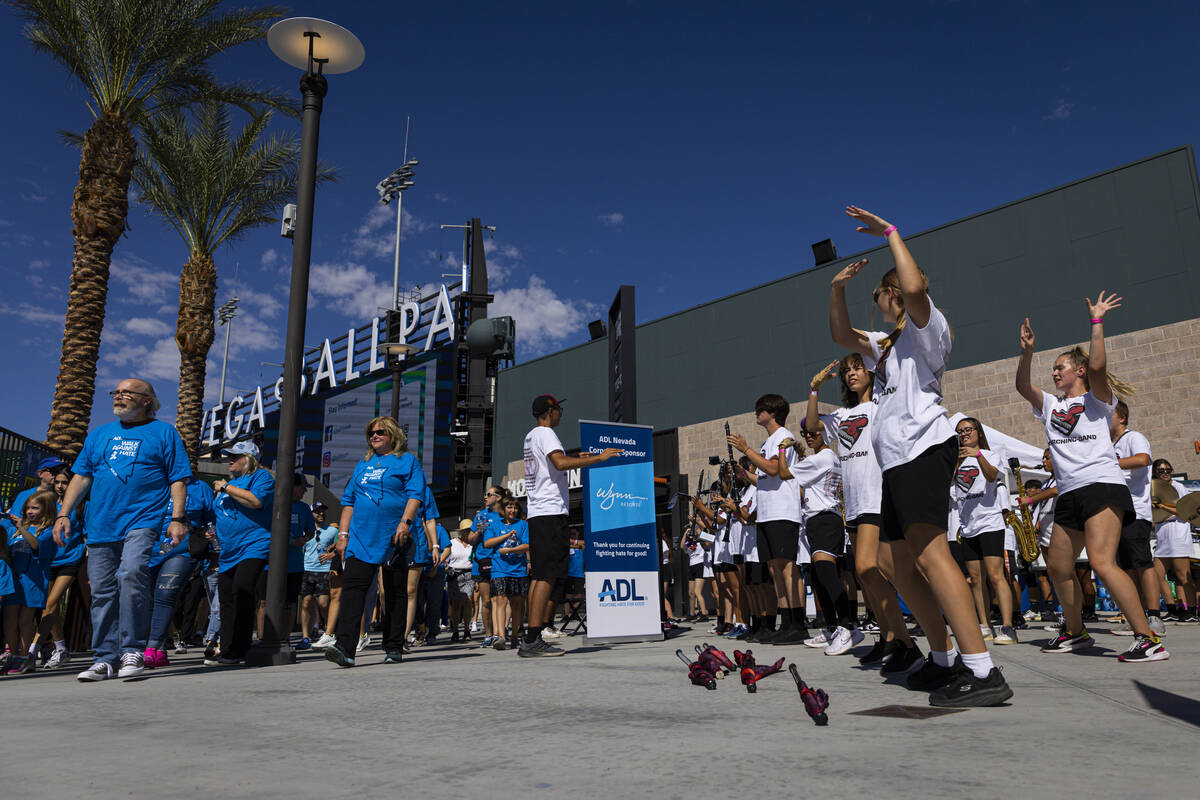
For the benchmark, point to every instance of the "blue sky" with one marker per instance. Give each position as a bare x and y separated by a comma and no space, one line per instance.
689,149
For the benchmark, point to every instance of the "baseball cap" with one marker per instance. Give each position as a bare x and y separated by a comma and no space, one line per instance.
318,505
544,402
242,449
300,479
50,462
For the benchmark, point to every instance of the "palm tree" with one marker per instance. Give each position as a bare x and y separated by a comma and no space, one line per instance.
134,58
211,185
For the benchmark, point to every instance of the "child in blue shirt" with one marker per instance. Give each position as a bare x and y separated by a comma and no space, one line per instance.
31,549
510,581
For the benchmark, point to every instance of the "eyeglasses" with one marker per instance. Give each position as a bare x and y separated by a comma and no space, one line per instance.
232,459
126,393
964,431
379,432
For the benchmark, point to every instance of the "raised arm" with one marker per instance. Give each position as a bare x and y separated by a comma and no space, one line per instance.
812,416
1025,386
1097,360
840,329
912,284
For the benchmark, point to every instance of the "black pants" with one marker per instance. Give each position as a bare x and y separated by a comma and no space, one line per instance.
433,586
356,579
188,606
238,605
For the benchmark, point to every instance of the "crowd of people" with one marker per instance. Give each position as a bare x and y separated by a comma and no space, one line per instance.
887,496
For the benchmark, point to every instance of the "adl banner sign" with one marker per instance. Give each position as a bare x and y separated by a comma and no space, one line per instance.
622,553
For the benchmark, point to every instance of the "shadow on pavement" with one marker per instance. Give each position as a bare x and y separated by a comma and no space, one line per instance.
1171,704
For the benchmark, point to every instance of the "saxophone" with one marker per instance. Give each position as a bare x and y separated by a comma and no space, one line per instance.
1021,521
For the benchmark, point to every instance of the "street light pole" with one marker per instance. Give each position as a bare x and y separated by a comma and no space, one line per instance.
225,315
295,41
393,186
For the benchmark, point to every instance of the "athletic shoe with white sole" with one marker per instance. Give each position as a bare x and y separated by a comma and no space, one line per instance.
967,691
99,671
132,665
324,641
1156,626
1068,642
553,633
363,643
821,640
1007,635
843,639
986,632
1143,649
57,659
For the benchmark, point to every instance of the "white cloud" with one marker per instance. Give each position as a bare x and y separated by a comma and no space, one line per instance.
39,263
143,283
613,219
376,236
269,258
1061,111
543,319
157,361
502,260
349,288
33,314
261,303
148,326
441,198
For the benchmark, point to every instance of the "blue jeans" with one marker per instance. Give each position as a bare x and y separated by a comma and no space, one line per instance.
168,578
214,607
119,574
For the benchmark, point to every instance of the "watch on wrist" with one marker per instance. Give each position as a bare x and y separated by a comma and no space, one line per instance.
407,522
179,519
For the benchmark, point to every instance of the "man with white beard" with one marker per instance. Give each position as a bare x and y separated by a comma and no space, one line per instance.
133,472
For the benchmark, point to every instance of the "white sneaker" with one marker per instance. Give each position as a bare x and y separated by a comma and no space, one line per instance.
476,627
986,632
363,643
99,671
1007,635
324,641
57,659
843,640
820,640
131,666
552,633
180,647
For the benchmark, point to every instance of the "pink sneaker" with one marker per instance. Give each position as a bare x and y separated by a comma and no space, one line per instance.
152,658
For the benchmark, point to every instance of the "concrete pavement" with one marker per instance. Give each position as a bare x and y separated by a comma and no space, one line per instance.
615,721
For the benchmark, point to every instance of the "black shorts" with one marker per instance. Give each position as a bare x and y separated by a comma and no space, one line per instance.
826,534
485,569
956,550
864,519
573,586
757,573
918,492
724,568
779,538
314,583
549,547
335,564
64,569
510,587
986,545
1076,507
695,571
1133,551
290,595
1013,564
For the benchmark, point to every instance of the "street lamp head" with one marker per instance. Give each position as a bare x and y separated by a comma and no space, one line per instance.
305,43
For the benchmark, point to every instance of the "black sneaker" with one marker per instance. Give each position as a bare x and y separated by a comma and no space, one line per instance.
967,691
454,638
538,649
1068,642
393,657
790,636
765,635
933,676
878,653
1144,649
336,655
902,660
1049,616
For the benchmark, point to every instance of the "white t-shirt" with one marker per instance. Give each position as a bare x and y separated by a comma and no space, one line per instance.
978,499
750,532
1043,512
1010,536
908,391
1080,444
696,554
545,486
952,521
778,499
723,547
821,476
1130,443
862,479
460,555
1173,535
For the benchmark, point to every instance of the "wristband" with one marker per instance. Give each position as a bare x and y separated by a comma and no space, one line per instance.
978,453
179,519
62,516
889,230
812,391
343,533
407,522
1097,320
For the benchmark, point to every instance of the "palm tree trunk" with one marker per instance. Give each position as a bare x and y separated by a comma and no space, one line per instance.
98,213
194,334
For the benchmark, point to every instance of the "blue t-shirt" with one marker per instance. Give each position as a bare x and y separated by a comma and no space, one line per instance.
429,510
72,550
245,532
18,508
198,508
493,522
379,490
575,563
132,468
31,570
302,523
510,565
317,545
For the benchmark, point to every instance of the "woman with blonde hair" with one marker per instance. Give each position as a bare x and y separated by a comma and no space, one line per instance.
1093,499
379,508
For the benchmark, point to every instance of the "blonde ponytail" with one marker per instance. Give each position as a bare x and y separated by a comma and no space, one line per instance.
1080,358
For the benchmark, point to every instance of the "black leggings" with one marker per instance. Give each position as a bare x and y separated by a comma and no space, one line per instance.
235,586
831,593
356,580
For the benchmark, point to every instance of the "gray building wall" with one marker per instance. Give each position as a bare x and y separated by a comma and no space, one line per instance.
1134,229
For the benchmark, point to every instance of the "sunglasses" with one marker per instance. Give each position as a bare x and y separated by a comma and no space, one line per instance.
379,432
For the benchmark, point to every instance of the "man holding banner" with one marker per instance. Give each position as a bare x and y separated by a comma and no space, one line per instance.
546,466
